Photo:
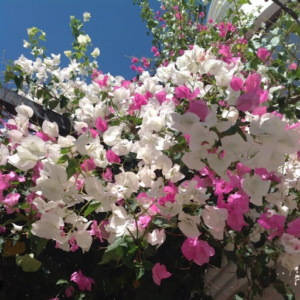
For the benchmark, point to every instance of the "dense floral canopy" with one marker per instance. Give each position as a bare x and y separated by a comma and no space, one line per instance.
193,162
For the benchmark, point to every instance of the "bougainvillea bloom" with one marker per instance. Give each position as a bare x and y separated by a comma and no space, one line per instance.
83,282
160,272
197,250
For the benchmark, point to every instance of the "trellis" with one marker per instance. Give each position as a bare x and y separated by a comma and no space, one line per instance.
9,100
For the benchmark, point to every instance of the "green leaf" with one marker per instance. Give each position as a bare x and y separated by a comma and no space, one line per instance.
8,75
241,2
64,150
147,265
139,272
256,43
27,78
92,207
160,221
41,244
72,168
275,41
279,287
239,296
184,4
63,159
108,256
63,101
81,297
28,263
284,290
18,81
113,251
52,104
235,20
258,268
39,94
241,272
18,218
61,281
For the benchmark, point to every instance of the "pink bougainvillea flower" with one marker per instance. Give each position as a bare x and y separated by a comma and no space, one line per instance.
248,101
160,272
236,83
294,227
139,100
83,282
293,66
133,67
11,200
94,133
140,69
69,291
237,206
144,221
161,96
145,62
88,165
197,250
43,136
263,54
253,82
95,230
259,111
107,175
273,222
134,60
112,157
182,92
101,124
199,108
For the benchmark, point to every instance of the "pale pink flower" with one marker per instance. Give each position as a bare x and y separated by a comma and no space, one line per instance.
293,66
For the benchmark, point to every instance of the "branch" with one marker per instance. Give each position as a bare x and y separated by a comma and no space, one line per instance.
294,99
288,11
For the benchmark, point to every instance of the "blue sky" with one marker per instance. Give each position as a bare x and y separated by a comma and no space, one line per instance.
115,27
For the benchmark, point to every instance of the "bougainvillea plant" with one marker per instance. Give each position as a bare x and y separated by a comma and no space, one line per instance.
193,162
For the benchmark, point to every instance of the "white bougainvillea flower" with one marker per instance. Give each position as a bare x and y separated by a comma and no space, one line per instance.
24,110
3,155
156,237
188,224
215,218
255,188
50,128
23,159
129,181
49,227
184,122
112,135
